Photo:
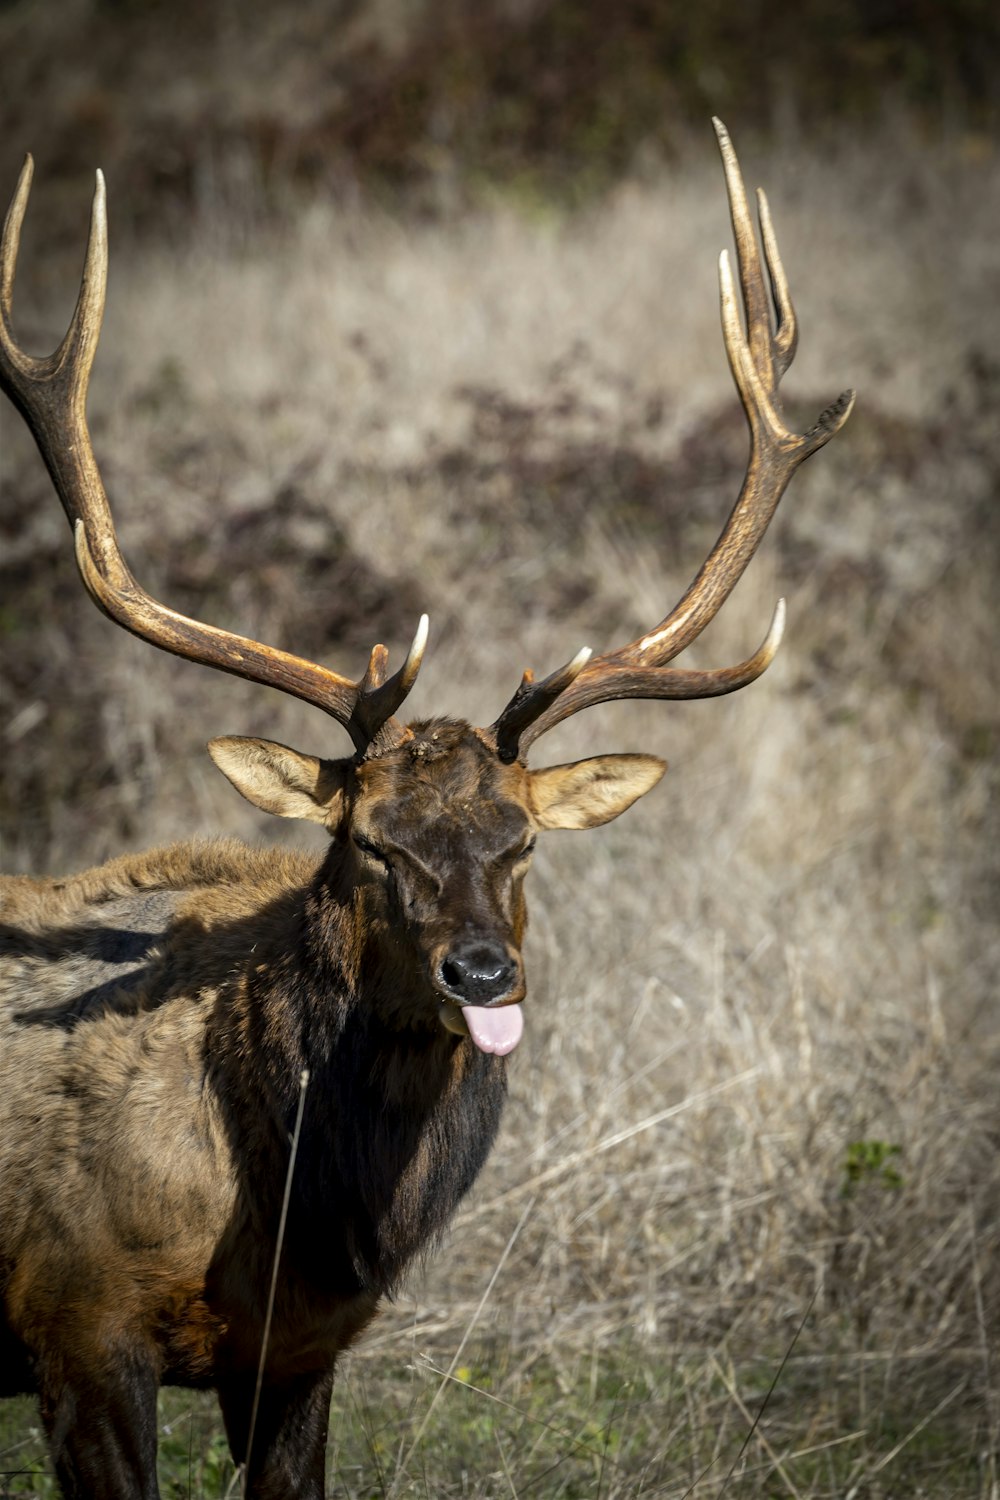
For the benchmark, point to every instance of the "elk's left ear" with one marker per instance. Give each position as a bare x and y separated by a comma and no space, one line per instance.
279,780
591,792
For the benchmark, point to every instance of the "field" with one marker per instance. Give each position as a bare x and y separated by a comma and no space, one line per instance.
741,1233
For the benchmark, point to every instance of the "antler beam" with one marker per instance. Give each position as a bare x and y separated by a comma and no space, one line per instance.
758,358
51,394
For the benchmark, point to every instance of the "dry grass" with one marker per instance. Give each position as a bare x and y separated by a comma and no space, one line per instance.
525,426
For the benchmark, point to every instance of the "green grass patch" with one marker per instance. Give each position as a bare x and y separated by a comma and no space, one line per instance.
614,1420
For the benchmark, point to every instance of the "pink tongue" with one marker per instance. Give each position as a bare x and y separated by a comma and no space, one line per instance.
496,1030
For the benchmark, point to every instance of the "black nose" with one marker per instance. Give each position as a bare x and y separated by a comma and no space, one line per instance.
478,973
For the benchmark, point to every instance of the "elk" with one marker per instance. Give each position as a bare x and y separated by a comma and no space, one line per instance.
160,1012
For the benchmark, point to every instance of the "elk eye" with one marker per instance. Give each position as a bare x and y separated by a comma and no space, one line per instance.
527,851
367,847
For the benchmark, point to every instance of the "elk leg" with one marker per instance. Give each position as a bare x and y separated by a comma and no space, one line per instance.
101,1428
288,1448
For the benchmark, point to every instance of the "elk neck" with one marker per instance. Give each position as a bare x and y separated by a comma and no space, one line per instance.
399,1114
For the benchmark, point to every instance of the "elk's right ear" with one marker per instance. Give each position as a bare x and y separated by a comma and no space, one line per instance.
279,780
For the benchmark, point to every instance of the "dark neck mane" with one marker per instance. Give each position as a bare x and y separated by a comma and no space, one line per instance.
397,1121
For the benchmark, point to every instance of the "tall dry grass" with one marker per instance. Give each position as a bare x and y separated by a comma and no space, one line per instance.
753,1128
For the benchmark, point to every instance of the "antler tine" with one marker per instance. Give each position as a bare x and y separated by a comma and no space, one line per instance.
530,700
758,312
51,394
758,357
378,699
46,388
10,244
786,334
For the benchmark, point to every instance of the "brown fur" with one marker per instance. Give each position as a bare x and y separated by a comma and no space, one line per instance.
157,1017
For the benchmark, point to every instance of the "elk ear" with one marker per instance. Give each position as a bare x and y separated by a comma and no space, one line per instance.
279,780
591,792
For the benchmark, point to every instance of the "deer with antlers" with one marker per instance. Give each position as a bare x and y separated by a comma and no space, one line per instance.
161,1013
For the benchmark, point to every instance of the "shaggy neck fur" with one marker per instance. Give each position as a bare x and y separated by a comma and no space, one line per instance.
398,1118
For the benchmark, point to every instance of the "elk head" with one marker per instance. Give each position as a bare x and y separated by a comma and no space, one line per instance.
436,821
433,839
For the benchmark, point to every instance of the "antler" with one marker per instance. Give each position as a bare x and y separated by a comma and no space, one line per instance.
51,394
758,359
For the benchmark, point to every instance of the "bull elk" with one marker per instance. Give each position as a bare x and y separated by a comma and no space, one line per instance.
161,1011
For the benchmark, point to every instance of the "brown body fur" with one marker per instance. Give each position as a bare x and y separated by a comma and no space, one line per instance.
124,1115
